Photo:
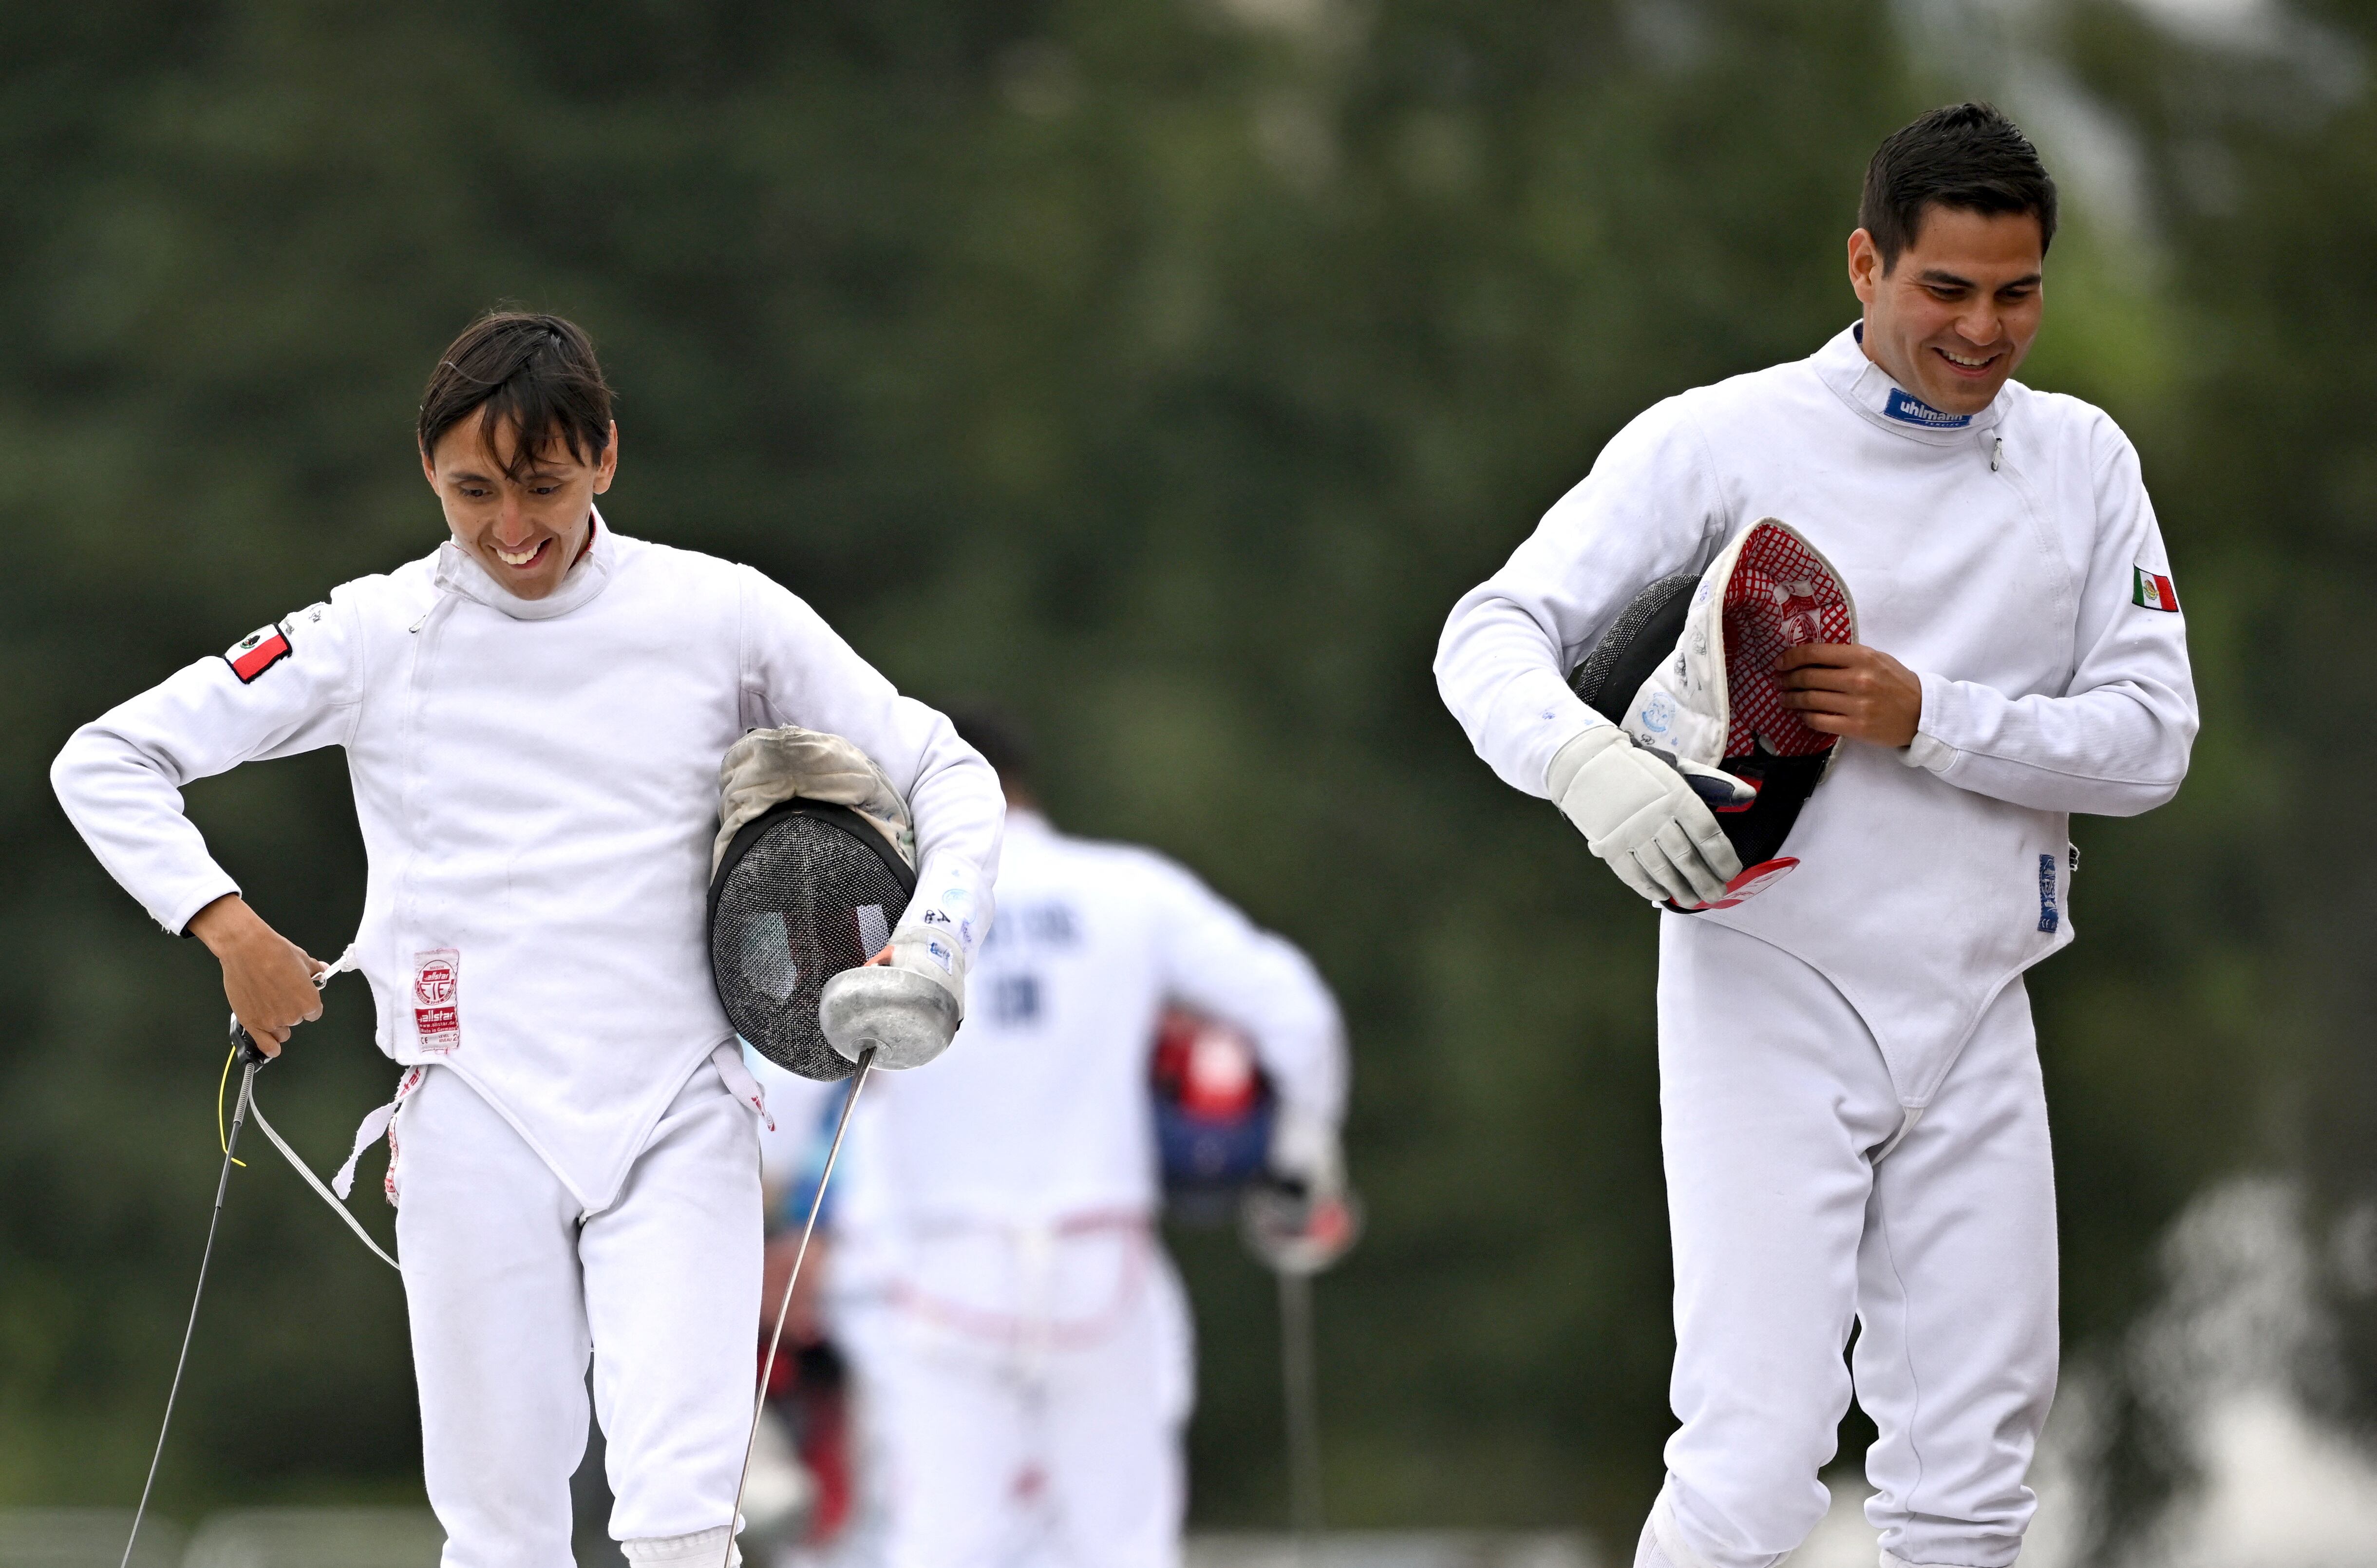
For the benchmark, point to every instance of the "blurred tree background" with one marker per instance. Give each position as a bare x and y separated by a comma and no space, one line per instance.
1161,369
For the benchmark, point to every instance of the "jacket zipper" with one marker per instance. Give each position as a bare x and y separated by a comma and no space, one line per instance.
417,683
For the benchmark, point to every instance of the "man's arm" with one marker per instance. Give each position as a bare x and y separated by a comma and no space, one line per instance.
797,671
1219,963
2116,742
120,778
1650,507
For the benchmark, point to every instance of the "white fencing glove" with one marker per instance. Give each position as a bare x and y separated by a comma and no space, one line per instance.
1648,816
1305,1153
1305,1218
907,1001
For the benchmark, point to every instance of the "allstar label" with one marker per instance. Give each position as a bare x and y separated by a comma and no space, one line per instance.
436,991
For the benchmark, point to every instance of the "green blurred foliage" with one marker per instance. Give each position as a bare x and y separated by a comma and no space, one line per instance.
1161,369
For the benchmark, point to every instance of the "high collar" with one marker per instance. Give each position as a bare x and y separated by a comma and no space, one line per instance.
1866,387
459,571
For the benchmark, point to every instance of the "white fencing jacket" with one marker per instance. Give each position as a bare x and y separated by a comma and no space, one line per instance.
537,785
1040,1113
2011,558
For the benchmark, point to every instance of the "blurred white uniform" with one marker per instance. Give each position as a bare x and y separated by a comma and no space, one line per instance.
1849,1097
1021,1341
537,785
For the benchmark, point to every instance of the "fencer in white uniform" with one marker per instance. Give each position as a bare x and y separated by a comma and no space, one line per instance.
534,717
1021,1343
1852,1124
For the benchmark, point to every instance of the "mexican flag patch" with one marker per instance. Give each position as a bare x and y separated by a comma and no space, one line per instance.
256,653
2153,590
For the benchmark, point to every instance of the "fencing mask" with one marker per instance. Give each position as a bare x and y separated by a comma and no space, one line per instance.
1688,672
1214,1108
810,875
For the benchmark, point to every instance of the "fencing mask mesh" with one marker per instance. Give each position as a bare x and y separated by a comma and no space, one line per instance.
1688,671
802,892
1636,644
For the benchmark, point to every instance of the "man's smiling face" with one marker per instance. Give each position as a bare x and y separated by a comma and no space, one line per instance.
529,527
1956,314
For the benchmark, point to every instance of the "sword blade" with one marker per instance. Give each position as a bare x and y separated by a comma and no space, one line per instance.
1297,1376
222,1186
784,1308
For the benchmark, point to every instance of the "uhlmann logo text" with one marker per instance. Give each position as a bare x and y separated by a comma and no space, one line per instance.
1915,411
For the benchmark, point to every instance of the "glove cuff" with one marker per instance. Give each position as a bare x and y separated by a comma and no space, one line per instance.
1570,758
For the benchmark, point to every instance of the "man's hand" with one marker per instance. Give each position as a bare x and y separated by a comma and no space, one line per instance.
1304,1218
1850,689
268,979
1642,817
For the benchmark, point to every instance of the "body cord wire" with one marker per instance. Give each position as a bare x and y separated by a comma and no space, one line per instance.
222,1186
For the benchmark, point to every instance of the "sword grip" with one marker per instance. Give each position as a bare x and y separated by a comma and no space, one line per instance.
250,1053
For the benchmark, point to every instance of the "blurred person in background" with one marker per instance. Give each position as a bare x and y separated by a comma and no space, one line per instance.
1853,1122
1021,1345
534,716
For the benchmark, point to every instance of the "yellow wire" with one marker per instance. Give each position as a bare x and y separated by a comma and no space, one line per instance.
222,1137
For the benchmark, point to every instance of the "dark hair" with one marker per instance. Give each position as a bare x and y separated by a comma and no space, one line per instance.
1966,155
1004,743
537,371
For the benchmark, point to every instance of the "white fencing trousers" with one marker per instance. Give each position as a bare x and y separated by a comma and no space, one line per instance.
1029,1438
1773,1099
510,1288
